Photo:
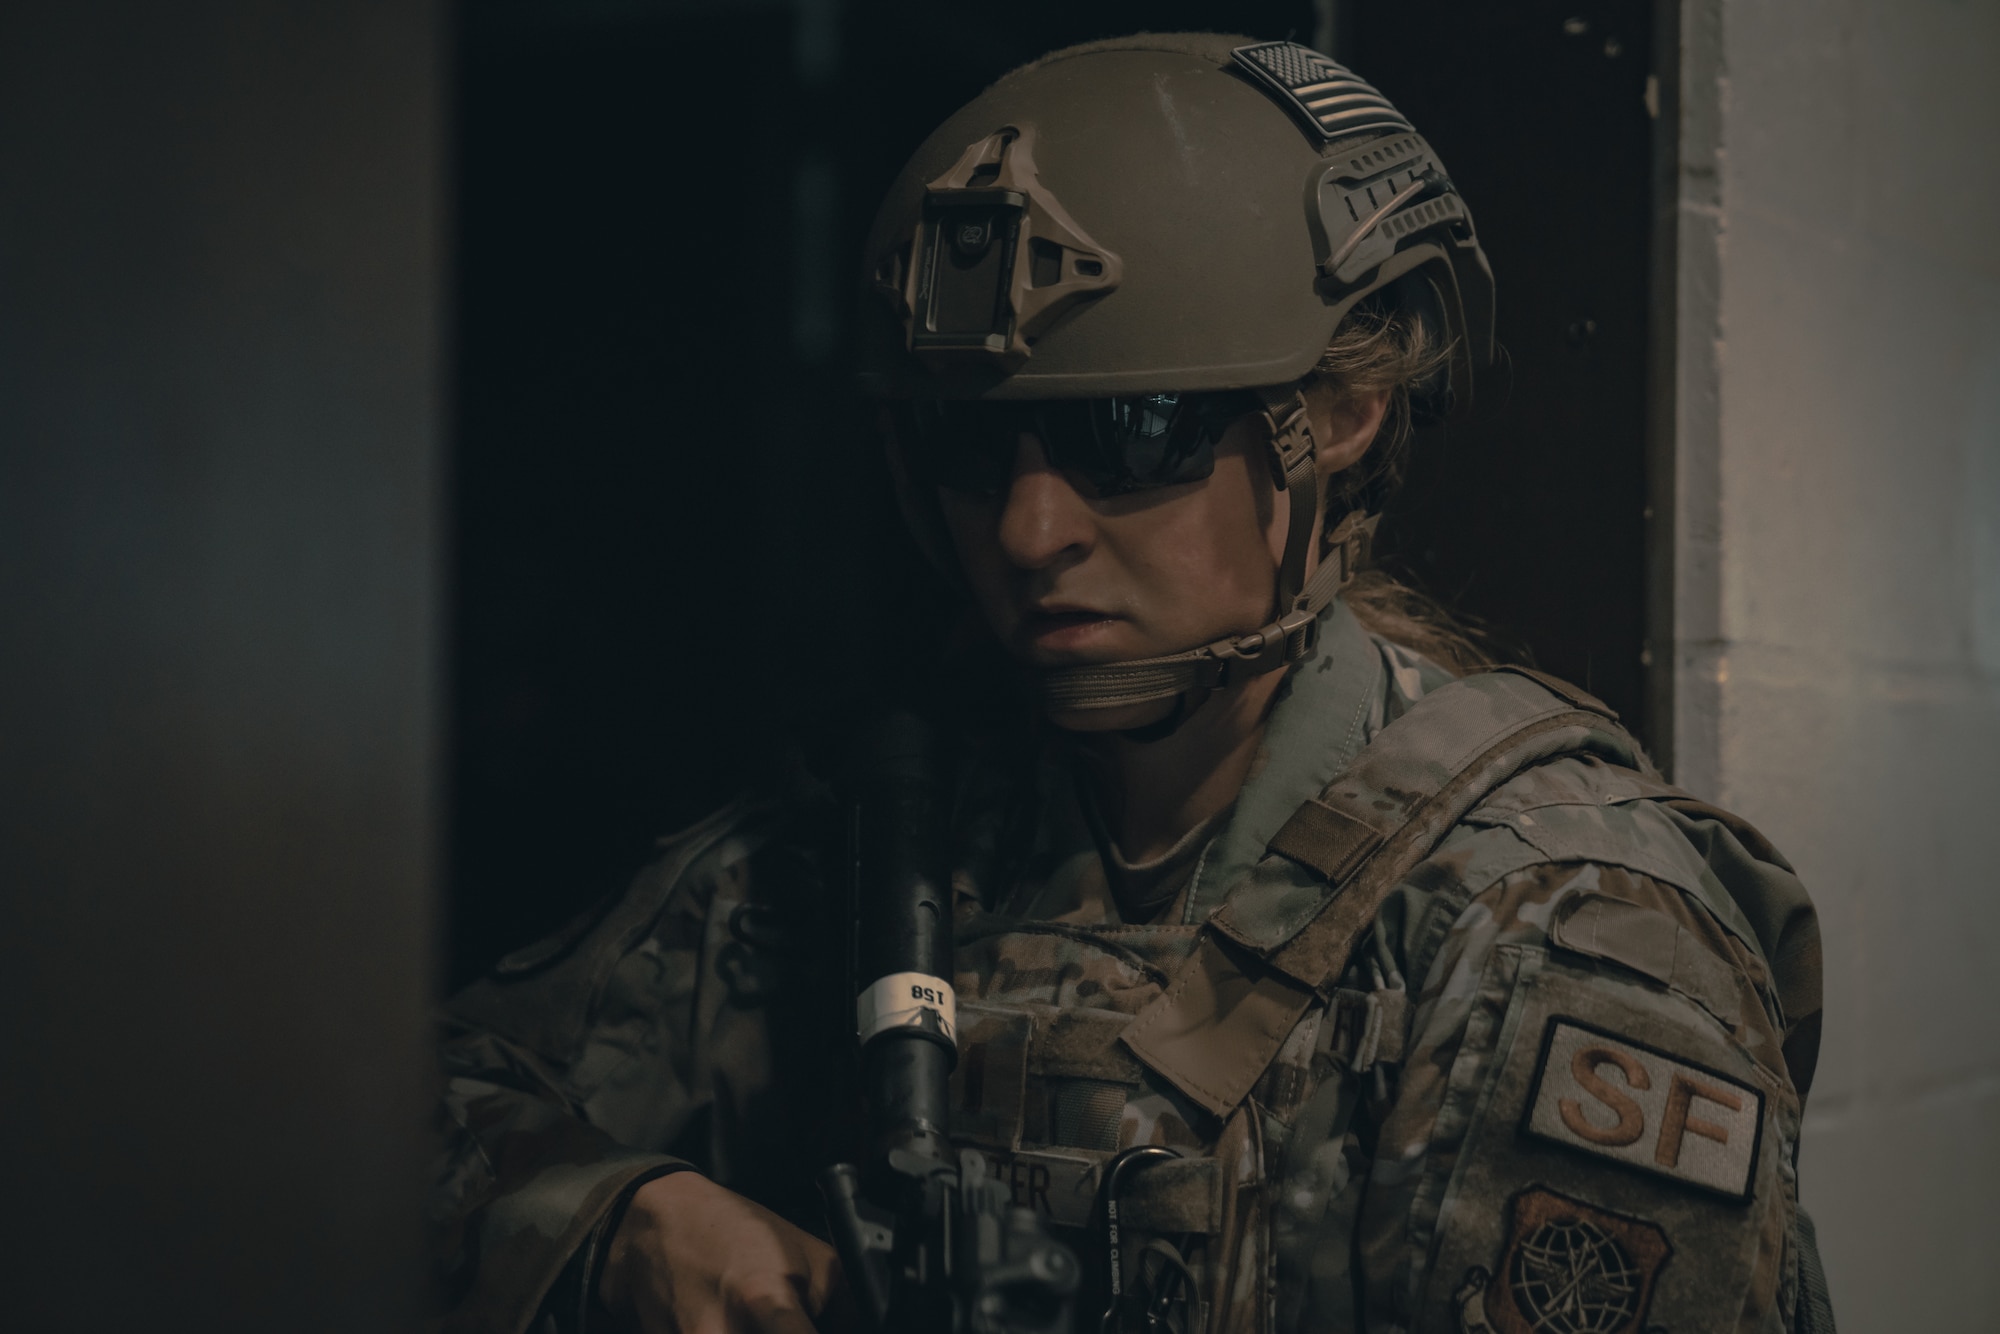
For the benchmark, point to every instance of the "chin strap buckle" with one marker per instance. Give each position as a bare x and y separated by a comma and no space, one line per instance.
1301,631
1291,638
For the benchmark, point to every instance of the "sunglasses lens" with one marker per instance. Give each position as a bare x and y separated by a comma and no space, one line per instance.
1116,445
1161,439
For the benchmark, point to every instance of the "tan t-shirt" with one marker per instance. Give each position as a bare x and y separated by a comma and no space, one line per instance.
1144,891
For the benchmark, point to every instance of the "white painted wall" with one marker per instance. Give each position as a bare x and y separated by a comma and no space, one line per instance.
1838,583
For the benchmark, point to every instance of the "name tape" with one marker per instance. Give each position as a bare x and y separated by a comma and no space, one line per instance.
900,1000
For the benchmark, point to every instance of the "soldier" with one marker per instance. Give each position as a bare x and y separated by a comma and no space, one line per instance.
1429,1004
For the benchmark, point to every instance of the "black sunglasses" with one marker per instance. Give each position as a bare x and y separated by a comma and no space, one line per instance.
1116,445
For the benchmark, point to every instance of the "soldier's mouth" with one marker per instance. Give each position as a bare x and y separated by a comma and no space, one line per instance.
1064,629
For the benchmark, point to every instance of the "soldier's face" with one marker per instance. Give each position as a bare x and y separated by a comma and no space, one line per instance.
1065,577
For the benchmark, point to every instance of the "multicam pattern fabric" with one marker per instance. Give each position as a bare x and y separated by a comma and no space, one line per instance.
1371,1178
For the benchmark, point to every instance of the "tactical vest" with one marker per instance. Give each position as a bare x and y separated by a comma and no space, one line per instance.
1246,1042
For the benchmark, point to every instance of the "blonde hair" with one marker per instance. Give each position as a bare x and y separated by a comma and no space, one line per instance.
1377,349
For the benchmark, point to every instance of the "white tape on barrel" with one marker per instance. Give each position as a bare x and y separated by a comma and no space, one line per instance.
899,1001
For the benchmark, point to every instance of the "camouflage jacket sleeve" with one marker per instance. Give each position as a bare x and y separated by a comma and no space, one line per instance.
1594,1125
568,1075
526,1191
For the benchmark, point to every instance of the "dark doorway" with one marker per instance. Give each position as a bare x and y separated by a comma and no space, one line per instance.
1531,514
672,546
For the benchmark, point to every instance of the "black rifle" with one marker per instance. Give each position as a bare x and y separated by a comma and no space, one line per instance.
930,1243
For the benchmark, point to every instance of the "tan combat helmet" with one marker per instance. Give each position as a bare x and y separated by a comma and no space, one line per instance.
1167,215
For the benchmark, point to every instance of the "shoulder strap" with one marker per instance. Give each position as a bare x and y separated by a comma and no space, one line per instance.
1268,953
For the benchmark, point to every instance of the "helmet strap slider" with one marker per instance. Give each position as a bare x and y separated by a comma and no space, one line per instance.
1349,546
1294,471
1290,432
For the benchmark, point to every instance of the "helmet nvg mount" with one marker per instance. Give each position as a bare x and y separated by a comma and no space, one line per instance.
1171,212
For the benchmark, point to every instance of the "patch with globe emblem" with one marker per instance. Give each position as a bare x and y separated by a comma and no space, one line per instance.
1568,1268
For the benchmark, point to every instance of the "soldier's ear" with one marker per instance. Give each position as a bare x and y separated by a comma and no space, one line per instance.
1344,426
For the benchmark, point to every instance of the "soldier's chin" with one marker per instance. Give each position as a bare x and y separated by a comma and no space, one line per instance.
1121,719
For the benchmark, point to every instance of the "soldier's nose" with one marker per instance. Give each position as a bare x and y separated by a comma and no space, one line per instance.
1044,519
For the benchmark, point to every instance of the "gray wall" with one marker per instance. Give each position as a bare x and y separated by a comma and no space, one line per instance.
1838,583
218,455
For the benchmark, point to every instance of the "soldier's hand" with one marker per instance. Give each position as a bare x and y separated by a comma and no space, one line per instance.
693,1258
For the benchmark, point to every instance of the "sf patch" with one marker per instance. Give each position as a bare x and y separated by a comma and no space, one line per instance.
1568,1268
1612,1097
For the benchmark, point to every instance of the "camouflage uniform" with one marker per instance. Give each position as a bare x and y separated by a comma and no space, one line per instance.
1550,1081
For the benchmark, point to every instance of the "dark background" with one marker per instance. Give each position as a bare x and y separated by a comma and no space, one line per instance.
673,544
221,235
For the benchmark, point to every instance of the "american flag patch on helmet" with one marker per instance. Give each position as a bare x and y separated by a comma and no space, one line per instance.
1333,102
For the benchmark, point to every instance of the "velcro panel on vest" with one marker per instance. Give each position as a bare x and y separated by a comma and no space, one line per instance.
989,1082
1328,839
1082,1074
1634,937
1218,1025
1183,1195
1231,1006
1083,1044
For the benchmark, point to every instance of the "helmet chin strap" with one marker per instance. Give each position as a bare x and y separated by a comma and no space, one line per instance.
1290,636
